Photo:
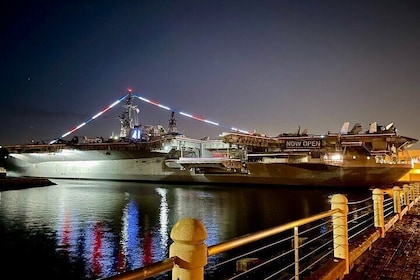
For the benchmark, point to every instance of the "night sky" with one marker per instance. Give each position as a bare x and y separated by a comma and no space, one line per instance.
268,66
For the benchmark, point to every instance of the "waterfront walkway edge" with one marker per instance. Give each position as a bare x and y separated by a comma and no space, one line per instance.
384,239
188,253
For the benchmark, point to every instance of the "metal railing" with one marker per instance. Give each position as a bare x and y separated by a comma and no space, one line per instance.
293,249
290,251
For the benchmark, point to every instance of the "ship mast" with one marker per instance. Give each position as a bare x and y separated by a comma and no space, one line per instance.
126,117
172,124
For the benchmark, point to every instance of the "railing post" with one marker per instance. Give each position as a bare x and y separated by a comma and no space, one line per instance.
189,249
413,197
296,248
416,187
340,229
406,190
378,210
397,200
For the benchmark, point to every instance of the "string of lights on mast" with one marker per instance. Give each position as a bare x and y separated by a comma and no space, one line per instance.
194,117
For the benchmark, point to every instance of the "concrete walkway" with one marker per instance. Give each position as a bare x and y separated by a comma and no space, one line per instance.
397,256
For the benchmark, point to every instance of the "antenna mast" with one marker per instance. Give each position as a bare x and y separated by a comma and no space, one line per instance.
126,118
172,123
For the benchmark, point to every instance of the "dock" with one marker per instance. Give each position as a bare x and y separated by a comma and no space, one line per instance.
396,256
18,183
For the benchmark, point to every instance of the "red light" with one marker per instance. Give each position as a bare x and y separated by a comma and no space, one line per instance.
130,90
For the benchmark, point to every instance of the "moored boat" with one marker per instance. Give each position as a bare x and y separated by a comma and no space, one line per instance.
348,158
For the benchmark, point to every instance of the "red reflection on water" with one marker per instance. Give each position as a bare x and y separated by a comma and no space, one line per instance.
66,233
147,248
97,246
122,260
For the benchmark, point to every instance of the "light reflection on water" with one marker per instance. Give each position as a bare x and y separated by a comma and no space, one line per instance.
109,227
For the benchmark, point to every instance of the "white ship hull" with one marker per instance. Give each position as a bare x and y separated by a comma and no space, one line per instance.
159,169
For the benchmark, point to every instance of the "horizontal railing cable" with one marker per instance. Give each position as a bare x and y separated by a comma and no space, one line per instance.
318,261
250,252
264,264
360,201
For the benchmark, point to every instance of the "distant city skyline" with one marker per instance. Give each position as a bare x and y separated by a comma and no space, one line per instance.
268,66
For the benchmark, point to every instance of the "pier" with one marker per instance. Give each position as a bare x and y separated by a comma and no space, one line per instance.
396,256
17,183
376,238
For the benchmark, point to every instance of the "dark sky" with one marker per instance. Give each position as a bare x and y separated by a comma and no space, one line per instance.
268,66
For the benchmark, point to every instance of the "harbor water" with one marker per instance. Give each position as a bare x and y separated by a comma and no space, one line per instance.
94,229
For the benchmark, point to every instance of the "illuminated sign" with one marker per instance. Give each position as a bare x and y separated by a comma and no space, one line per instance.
303,144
